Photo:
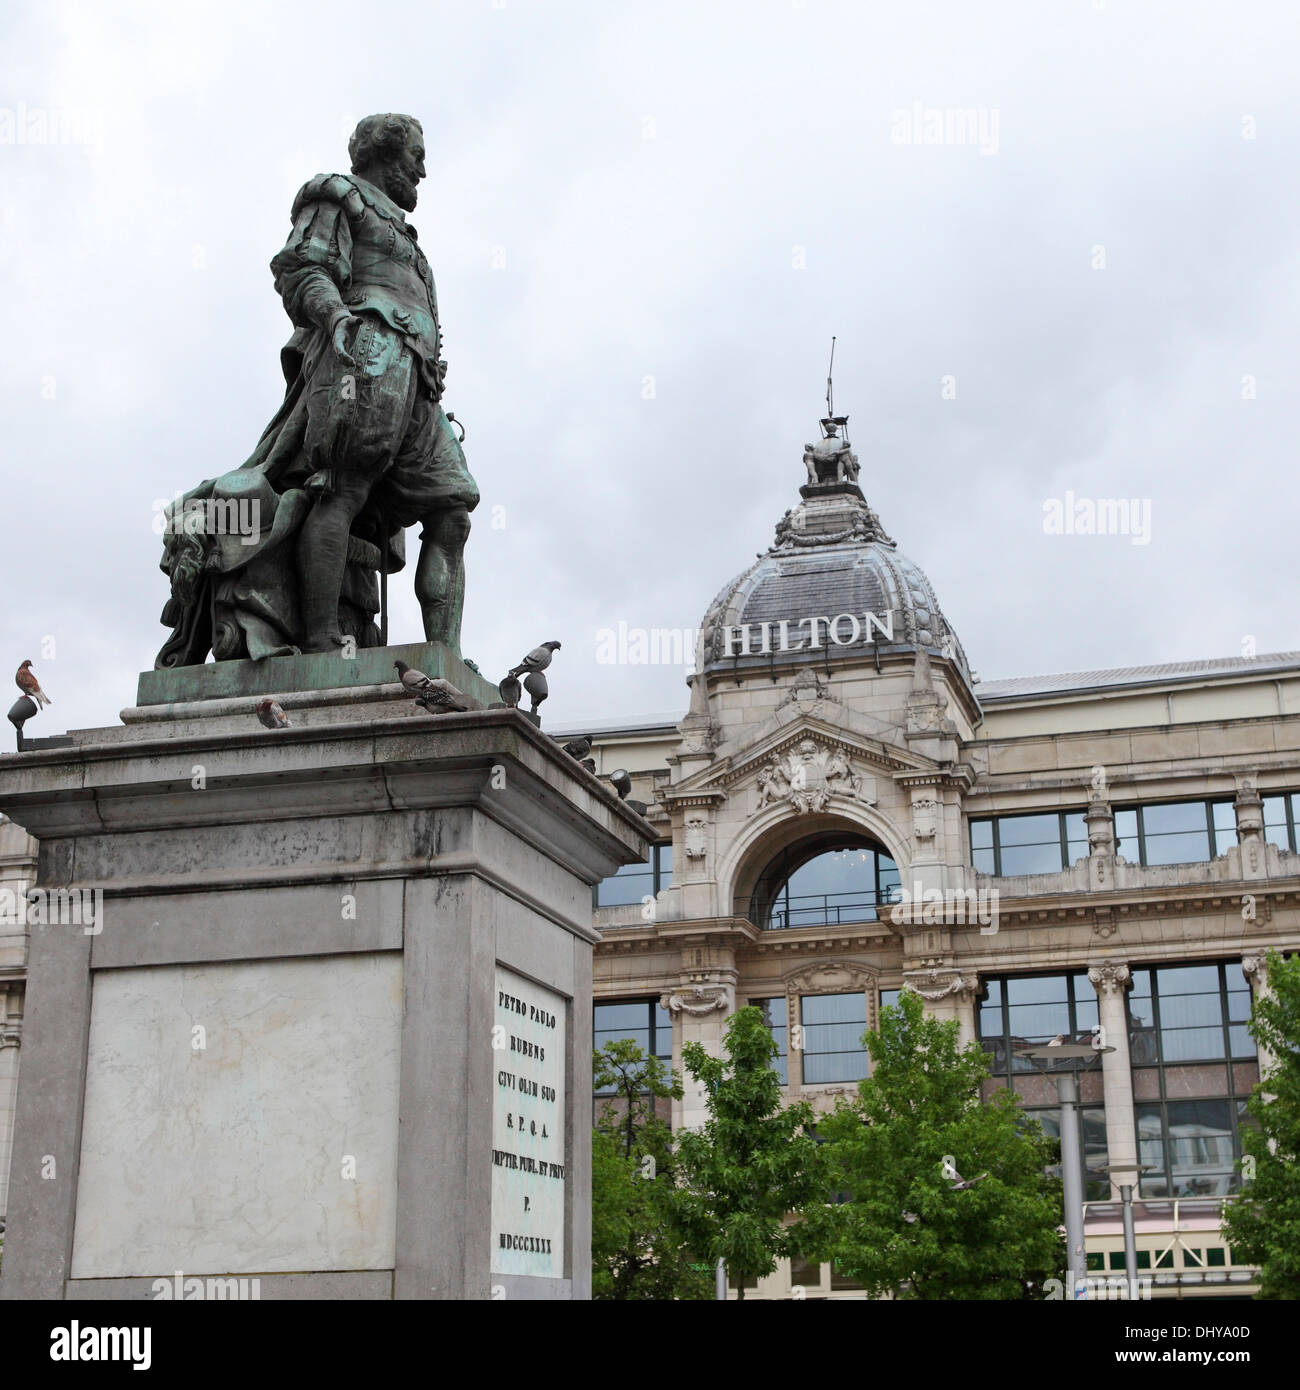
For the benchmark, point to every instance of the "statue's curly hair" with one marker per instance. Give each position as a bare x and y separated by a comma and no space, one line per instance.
379,137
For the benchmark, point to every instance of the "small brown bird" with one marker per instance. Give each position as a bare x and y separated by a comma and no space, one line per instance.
271,715
441,697
29,685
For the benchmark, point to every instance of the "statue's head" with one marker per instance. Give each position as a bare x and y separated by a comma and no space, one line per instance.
388,150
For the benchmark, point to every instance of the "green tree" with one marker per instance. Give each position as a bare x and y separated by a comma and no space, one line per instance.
1263,1225
947,1195
754,1165
638,1250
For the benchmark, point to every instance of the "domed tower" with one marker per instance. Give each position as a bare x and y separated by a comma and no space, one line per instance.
830,705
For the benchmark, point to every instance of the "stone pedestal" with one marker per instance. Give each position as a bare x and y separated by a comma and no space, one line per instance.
322,1017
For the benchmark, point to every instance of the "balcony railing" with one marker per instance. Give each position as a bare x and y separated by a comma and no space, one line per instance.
827,909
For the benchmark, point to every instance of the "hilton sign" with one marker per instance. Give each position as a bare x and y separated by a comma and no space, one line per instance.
843,630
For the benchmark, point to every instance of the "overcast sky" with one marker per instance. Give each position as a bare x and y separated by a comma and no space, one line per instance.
646,221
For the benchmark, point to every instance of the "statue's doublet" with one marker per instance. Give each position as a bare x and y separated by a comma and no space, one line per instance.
352,250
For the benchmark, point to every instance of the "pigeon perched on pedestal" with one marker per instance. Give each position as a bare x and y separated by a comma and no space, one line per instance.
26,681
535,685
413,680
537,660
271,715
511,691
441,697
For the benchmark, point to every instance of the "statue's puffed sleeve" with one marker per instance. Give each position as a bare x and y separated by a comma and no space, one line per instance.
316,262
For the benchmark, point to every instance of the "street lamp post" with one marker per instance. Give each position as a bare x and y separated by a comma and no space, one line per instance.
1067,1089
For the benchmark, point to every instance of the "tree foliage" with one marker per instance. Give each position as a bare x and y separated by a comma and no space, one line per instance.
903,1147
752,1174
638,1250
1263,1225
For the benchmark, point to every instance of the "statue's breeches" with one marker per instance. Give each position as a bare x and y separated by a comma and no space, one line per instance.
375,424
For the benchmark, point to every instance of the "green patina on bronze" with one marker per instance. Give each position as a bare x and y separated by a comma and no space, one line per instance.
282,555
277,675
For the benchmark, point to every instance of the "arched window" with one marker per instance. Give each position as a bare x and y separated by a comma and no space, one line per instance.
830,880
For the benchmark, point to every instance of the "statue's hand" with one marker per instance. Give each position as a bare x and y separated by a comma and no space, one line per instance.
341,330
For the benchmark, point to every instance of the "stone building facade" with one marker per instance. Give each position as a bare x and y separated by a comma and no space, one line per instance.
847,810
17,870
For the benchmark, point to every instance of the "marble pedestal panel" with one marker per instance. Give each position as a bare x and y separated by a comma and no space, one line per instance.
331,1028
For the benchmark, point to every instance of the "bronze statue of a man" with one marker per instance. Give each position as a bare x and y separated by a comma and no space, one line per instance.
359,450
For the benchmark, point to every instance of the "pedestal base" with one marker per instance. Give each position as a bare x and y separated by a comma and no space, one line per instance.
329,1028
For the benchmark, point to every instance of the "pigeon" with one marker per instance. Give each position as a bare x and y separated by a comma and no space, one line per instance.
29,685
271,715
535,685
589,764
412,679
622,782
511,691
1057,1040
441,697
537,660
578,748
640,807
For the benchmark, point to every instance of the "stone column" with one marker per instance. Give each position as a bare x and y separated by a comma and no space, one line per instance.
1255,969
700,1013
1111,980
1100,820
11,1032
948,993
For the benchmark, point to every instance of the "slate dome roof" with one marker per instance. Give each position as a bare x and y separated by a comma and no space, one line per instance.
831,556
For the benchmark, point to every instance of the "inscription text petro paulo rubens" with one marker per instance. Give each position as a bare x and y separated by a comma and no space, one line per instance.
528,1157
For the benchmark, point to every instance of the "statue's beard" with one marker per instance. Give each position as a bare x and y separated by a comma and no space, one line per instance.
400,188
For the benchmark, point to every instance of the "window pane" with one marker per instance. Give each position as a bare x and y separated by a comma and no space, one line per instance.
611,1017
632,883
981,833
1243,1045
1187,979
1029,830
1043,1021
982,860
1031,859
1191,847
1225,817
833,1028
1190,1044
1173,817
1200,1140
665,853
1190,1010
1037,989
774,1019
1126,835
835,1008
